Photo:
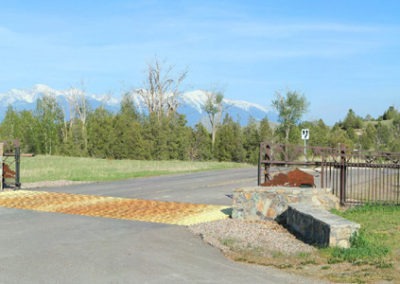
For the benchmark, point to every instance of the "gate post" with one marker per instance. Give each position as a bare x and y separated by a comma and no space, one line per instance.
267,167
17,165
264,157
343,170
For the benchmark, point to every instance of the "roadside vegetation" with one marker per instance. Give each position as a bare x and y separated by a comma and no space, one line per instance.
374,254
53,168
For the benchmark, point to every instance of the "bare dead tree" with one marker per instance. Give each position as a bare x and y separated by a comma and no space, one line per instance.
162,89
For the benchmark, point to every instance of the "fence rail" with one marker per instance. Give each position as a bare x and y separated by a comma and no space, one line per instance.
355,176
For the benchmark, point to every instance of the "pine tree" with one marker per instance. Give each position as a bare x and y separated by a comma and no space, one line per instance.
229,142
128,132
352,121
178,142
251,141
100,134
155,133
200,146
390,113
266,132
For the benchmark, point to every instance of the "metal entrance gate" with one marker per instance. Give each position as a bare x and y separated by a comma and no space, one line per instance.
11,160
354,176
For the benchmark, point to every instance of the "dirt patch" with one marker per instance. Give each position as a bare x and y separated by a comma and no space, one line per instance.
268,243
267,236
55,183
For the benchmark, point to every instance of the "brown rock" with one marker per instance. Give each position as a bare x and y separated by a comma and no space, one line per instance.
295,178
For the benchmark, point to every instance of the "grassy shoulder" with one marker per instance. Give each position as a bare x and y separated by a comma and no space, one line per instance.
51,168
374,255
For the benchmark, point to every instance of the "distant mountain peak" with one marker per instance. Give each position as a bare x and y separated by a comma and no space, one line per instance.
196,98
199,97
191,103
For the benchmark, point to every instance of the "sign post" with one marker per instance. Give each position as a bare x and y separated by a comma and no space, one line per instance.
305,135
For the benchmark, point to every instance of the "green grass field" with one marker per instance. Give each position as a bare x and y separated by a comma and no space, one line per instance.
51,168
379,238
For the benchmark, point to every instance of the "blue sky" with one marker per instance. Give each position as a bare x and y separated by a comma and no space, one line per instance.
339,54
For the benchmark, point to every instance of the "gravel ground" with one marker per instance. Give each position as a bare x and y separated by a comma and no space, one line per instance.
267,237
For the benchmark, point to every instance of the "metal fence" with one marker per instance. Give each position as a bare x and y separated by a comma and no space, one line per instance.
355,176
11,161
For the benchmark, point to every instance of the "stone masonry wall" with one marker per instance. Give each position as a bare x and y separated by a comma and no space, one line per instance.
260,203
320,227
303,210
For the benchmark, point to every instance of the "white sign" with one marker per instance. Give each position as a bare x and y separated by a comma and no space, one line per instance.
305,134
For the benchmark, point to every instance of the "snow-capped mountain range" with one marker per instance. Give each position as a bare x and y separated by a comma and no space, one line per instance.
190,103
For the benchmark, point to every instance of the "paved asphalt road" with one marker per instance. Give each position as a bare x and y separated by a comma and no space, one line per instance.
39,247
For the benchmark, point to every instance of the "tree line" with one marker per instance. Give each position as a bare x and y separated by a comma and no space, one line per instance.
129,134
161,133
380,134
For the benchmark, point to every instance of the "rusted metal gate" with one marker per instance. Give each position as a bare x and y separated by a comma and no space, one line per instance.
11,161
355,176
